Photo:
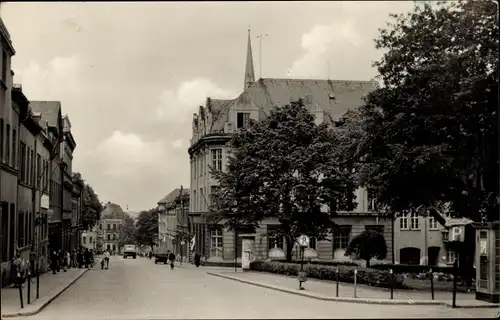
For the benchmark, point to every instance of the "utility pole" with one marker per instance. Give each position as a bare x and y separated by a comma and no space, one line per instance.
260,36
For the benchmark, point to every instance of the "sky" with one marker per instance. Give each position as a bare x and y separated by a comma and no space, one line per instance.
130,75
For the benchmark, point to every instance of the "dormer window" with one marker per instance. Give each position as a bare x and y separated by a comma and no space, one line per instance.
242,119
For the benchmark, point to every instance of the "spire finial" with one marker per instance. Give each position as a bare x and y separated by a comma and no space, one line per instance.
249,71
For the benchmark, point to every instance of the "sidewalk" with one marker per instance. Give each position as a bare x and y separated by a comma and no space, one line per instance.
326,290
51,286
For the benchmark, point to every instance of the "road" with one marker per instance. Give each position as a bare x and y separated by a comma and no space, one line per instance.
139,289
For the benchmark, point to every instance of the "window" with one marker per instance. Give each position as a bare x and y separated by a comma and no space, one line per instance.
372,201
433,223
22,162
108,247
32,168
4,66
114,226
341,237
216,243
109,236
38,170
20,229
14,140
313,243
242,119
4,230
90,240
217,159
274,241
378,228
109,227
1,139
28,162
403,222
213,193
195,199
7,146
46,173
414,221
84,240
114,247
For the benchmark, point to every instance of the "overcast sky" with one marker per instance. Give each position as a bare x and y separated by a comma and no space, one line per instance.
130,75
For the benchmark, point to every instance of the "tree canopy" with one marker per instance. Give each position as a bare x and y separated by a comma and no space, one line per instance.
367,245
147,227
429,134
285,167
92,207
127,231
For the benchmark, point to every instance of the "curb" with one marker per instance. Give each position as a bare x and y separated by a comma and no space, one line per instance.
349,300
45,303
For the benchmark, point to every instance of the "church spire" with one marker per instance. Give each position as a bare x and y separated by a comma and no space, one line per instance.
249,72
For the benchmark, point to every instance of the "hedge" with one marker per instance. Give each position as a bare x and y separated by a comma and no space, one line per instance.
323,262
372,277
409,268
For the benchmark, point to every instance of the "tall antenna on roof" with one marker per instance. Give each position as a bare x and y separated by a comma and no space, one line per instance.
260,36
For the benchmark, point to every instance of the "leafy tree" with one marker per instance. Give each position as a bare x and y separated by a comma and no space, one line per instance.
367,245
92,207
284,166
147,227
430,133
127,231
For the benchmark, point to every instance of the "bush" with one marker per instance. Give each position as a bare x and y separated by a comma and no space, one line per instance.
372,277
323,262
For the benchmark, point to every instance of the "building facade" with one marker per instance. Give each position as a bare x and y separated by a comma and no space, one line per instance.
173,227
50,116
213,127
9,122
89,238
112,218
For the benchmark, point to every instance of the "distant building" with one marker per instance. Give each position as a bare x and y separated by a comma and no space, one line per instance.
89,238
213,127
173,222
112,218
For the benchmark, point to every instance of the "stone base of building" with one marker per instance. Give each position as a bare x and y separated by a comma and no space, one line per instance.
492,298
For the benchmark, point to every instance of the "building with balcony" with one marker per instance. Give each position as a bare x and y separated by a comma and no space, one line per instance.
212,128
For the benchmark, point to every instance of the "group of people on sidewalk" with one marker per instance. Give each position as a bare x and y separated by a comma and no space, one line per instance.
171,258
76,259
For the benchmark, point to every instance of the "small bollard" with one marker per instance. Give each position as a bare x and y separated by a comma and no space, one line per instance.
20,284
355,281
28,277
337,278
392,284
455,269
432,284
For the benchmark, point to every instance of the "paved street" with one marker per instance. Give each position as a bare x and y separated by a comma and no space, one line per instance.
139,289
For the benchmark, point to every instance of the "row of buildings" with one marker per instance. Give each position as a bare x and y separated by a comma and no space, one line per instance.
40,205
409,237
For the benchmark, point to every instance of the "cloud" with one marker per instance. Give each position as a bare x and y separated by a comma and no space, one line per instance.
180,105
178,144
60,78
126,154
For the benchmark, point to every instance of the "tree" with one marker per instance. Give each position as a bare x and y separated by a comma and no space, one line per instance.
367,245
147,227
285,167
430,133
127,231
92,207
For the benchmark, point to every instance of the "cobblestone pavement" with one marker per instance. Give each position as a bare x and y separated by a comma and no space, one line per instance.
139,289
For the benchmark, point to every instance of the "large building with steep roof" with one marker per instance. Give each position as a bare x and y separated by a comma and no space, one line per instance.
218,119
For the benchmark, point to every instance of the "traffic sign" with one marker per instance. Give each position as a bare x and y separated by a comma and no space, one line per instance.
303,241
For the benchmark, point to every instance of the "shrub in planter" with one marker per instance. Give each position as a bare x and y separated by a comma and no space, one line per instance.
377,278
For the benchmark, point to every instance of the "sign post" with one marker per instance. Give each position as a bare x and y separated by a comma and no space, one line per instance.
303,242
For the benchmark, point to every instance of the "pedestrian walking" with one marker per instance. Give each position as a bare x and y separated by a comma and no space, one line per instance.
197,259
53,261
74,259
107,255
86,256
171,257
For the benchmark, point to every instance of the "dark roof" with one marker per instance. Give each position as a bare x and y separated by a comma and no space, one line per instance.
173,196
332,97
112,211
49,111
